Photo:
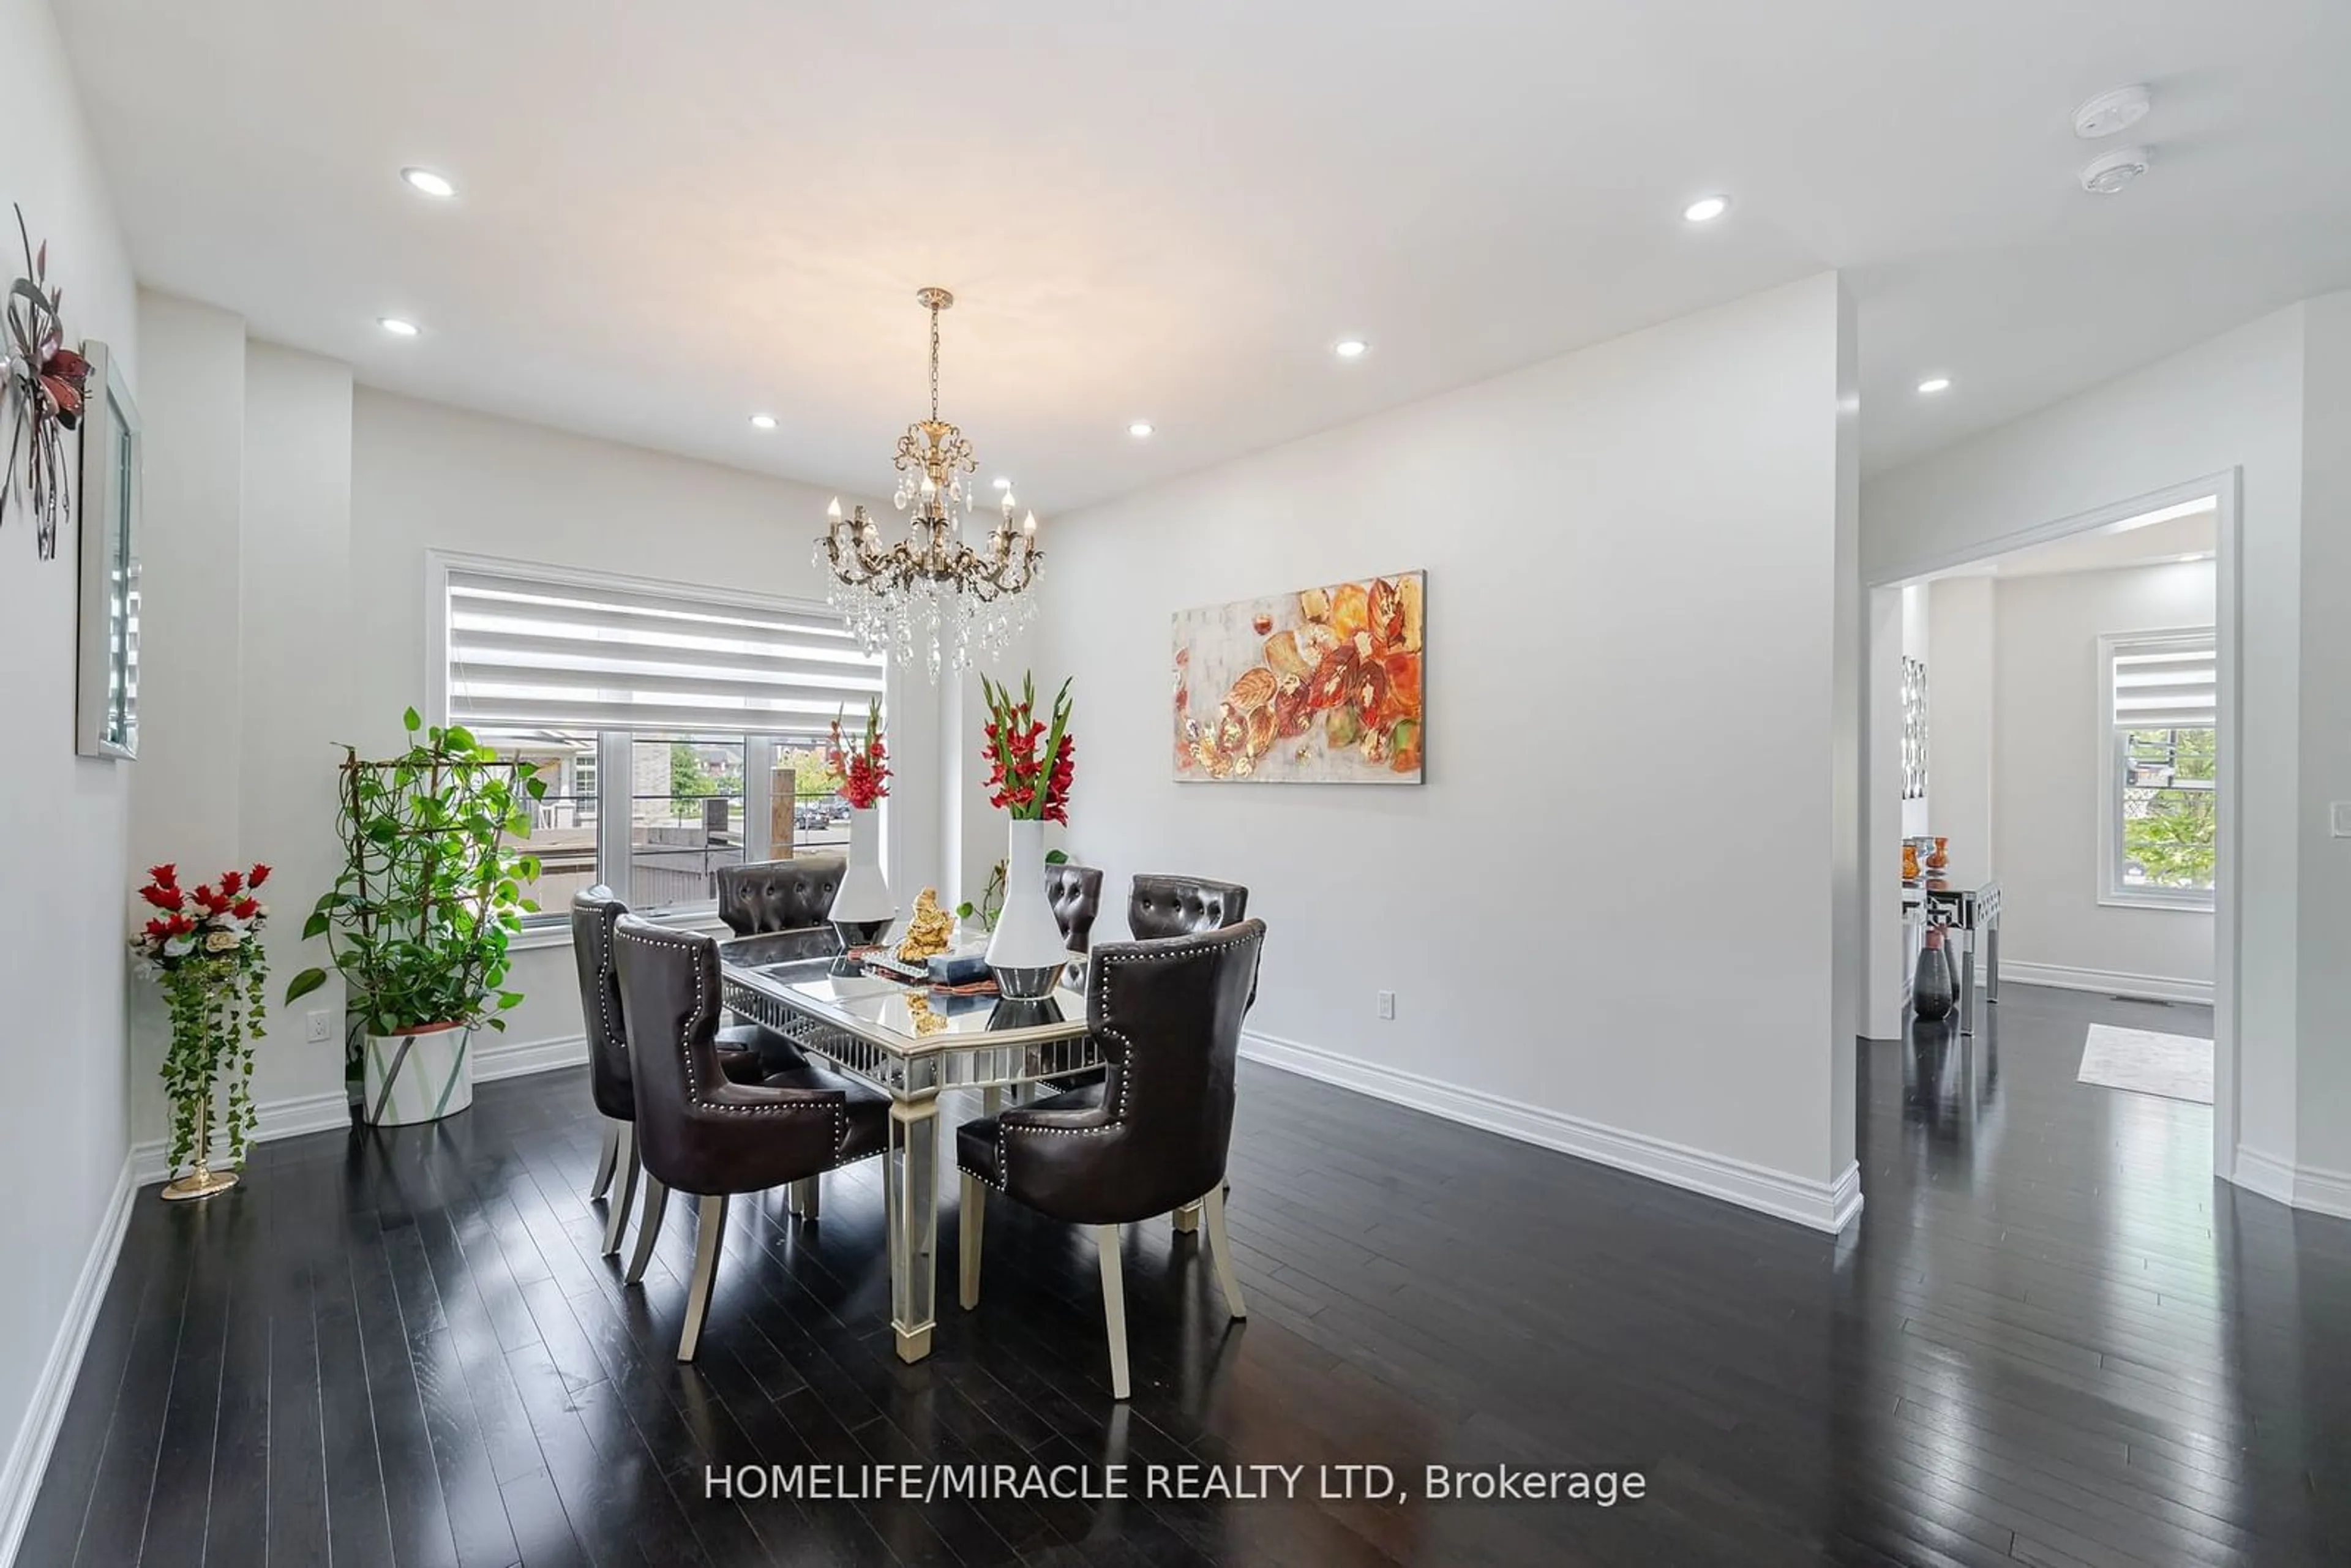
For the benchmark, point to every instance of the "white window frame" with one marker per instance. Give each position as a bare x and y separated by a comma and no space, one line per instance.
2113,769
614,782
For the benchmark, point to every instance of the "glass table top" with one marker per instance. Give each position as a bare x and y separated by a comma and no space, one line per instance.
911,1017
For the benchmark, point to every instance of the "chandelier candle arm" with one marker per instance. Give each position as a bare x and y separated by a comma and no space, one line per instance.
932,586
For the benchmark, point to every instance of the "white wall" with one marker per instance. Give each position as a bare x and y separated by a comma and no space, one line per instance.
2323,913
190,740
1960,743
63,965
2233,402
2046,771
1634,615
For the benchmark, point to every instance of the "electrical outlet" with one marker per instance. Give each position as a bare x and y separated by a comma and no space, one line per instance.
2339,819
1387,1004
321,1025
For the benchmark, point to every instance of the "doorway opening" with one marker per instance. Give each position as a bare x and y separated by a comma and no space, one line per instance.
2050,802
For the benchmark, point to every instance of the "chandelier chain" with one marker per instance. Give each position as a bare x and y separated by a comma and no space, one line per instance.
934,364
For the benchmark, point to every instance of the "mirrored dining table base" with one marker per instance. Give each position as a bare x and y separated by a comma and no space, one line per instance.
914,1081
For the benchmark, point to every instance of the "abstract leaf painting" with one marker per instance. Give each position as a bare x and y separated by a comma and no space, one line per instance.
1318,686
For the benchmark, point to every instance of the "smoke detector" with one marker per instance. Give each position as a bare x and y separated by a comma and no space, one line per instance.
2103,176
2119,109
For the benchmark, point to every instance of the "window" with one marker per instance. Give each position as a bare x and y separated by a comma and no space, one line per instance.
2158,800
678,729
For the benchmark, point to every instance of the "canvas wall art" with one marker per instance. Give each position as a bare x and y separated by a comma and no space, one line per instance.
1318,686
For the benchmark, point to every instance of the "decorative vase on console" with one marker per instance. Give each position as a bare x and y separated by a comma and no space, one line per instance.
1938,859
861,906
1933,991
1030,765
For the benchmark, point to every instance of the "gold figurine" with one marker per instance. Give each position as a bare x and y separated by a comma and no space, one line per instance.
930,930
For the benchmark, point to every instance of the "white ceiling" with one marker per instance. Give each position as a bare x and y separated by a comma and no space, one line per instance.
670,216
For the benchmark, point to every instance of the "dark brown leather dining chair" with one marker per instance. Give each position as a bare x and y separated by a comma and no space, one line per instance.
779,895
703,1135
1153,1137
1183,905
1075,893
593,913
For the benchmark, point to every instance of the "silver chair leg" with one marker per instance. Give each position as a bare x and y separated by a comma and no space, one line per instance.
1114,1287
649,1225
607,1159
804,1197
1221,1247
709,1233
971,1222
616,1219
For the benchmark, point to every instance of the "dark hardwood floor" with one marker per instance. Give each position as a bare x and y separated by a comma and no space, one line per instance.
2052,1338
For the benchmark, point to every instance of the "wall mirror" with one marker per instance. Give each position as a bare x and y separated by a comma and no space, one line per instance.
105,709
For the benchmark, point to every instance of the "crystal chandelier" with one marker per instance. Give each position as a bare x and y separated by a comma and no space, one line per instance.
931,588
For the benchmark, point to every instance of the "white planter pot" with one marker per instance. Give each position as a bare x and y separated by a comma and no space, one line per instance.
1027,949
861,906
418,1077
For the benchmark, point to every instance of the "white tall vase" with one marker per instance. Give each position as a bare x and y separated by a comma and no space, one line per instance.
1028,950
861,906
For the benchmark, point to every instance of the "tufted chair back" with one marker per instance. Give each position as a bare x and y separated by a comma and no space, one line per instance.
1183,906
698,1131
779,896
1168,1015
593,913
1075,893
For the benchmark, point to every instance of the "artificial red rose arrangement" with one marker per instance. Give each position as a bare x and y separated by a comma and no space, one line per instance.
203,944
864,765
1029,764
209,920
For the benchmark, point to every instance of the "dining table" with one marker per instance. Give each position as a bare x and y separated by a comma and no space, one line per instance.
912,1041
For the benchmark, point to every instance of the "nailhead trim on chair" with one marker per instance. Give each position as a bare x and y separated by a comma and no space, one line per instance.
694,1085
1126,1066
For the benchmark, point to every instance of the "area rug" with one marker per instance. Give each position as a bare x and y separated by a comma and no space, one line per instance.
2176,1066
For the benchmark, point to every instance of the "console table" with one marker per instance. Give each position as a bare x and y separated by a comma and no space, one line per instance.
1974,911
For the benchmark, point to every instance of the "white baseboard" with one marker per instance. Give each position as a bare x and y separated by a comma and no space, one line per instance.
517,1058
1819,1206
28,1457
2297,1186
2108,982
330,1112
272,1120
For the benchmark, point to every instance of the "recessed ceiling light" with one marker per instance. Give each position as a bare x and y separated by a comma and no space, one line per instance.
1706,209
426,181
1350,348
1139,428
397,327
763,422
1002,483
1934,384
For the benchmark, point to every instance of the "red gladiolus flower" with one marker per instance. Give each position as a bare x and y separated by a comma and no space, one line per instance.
165,875
157,930
246,908
160,896
180,925
257,875
232,883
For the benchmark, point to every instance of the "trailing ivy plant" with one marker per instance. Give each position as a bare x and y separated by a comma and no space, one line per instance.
431,890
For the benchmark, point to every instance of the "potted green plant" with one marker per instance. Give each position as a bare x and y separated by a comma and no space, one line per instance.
418,923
